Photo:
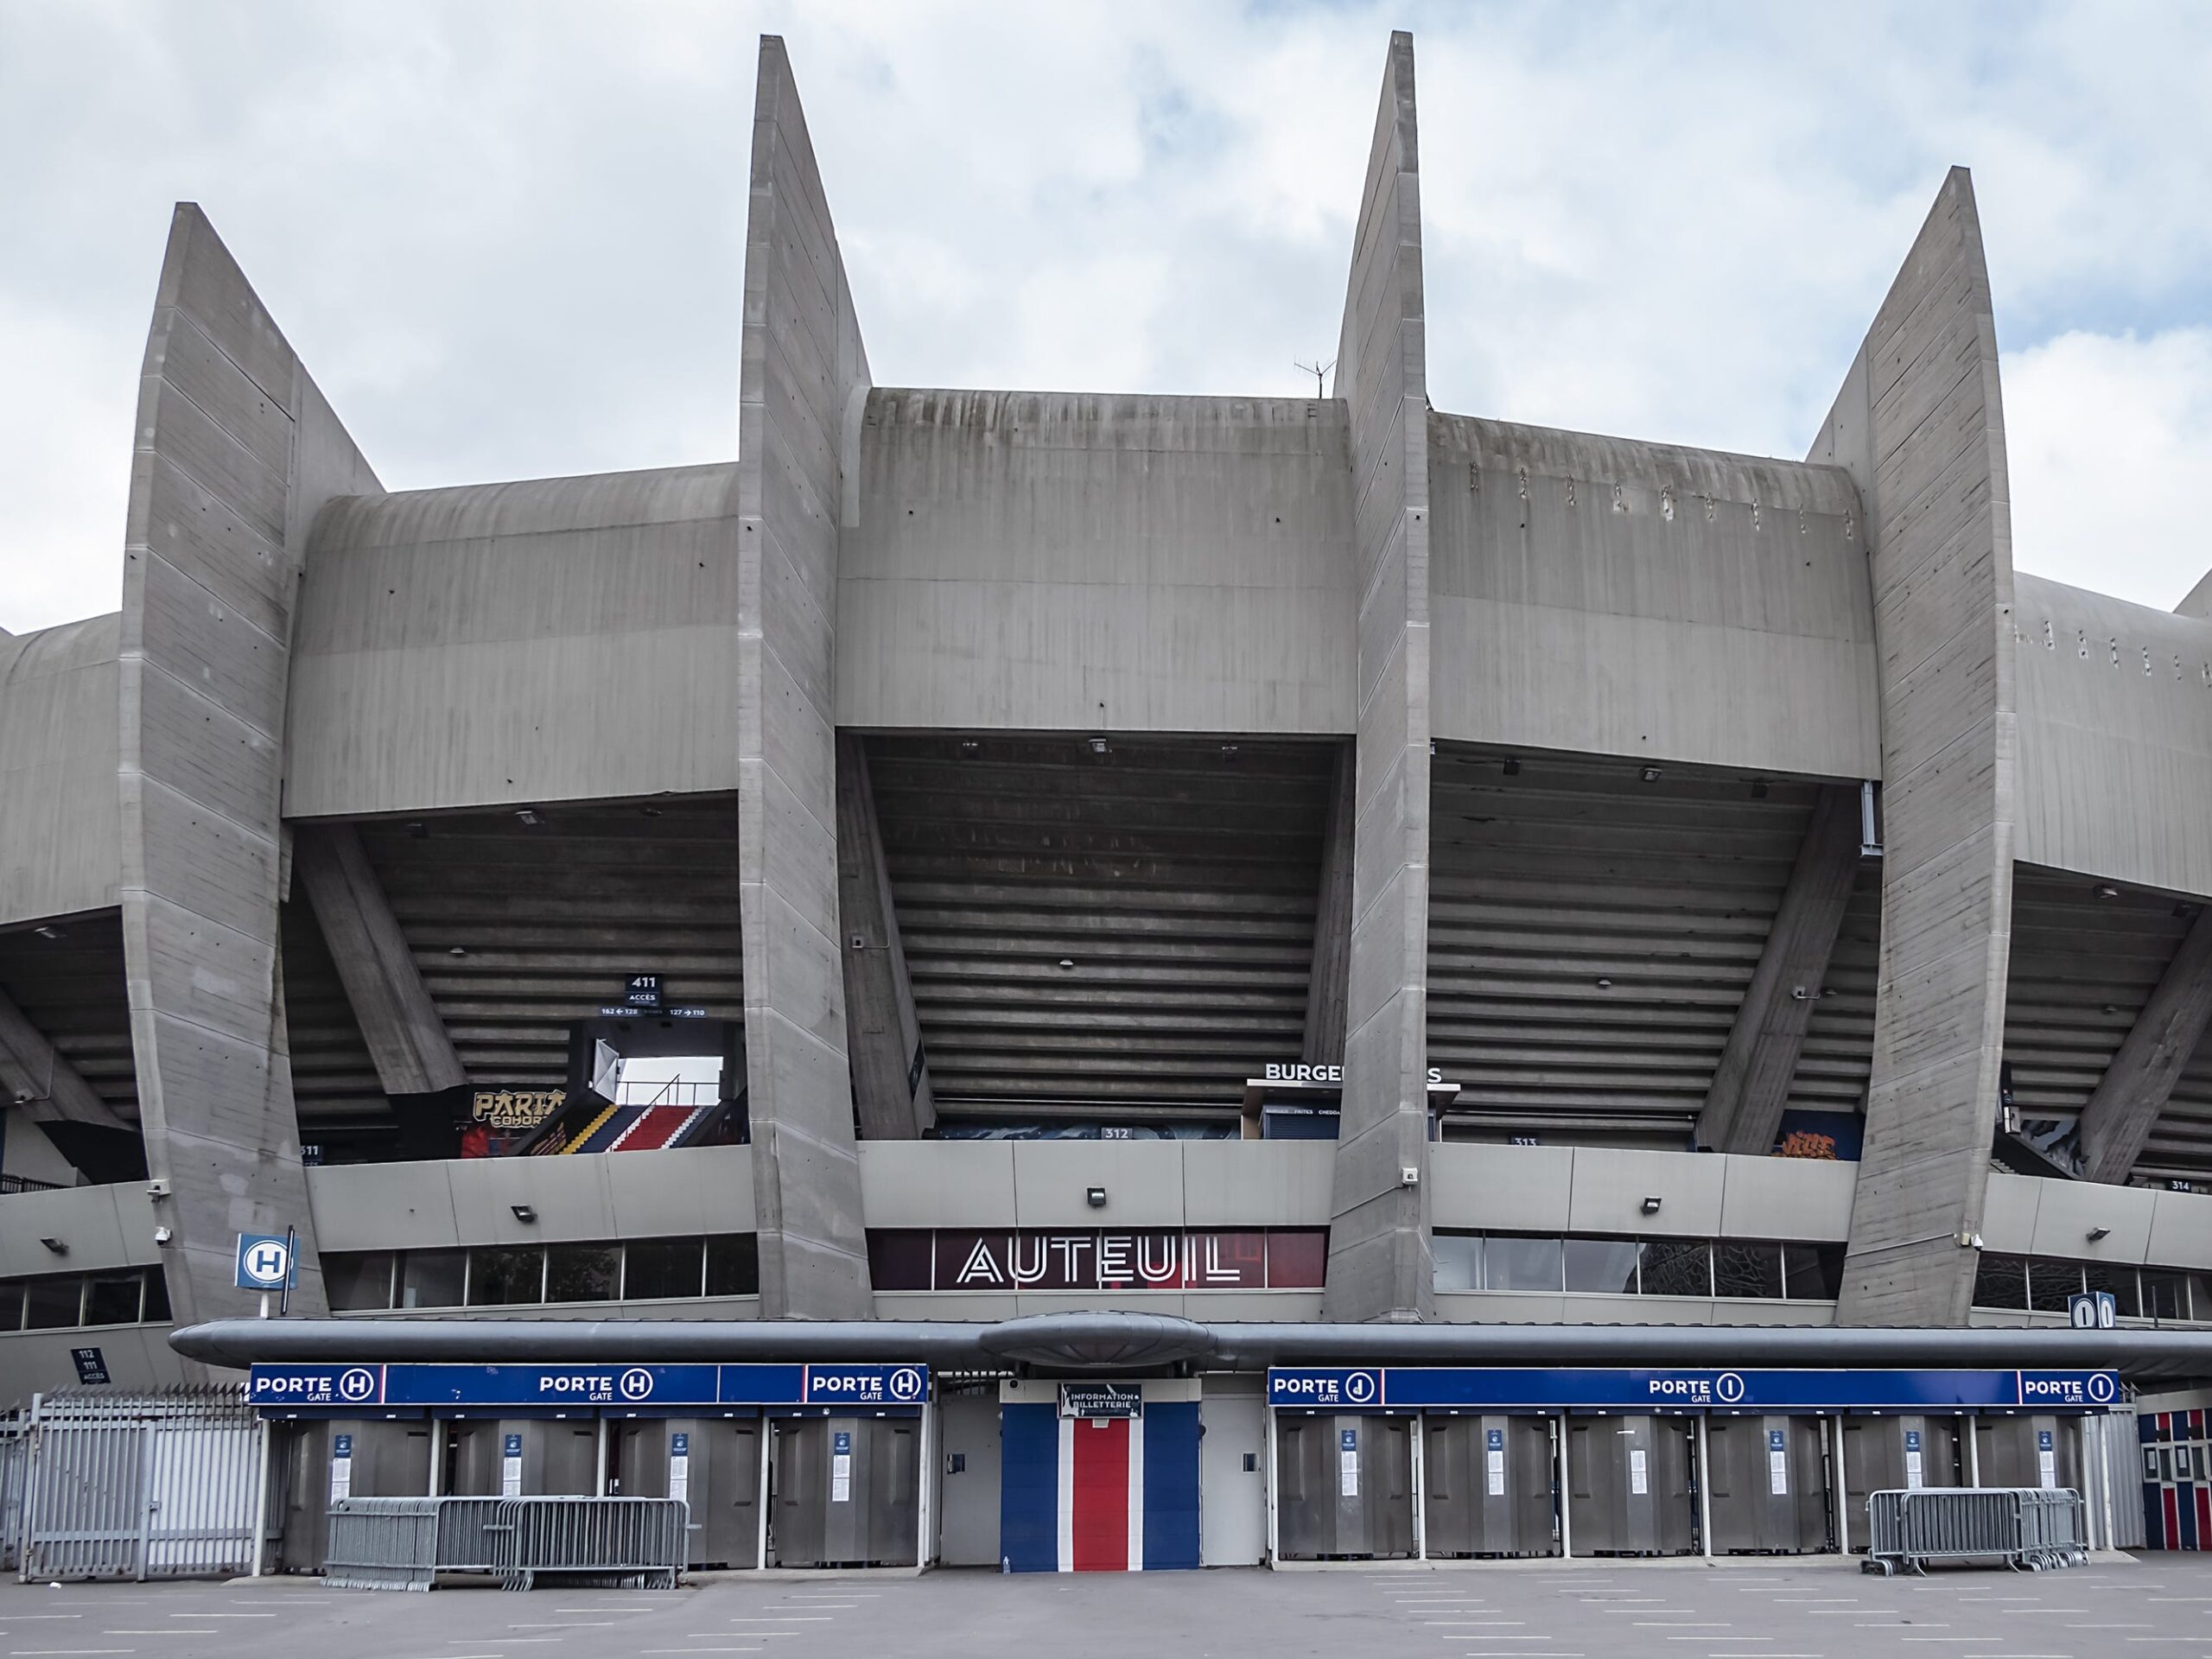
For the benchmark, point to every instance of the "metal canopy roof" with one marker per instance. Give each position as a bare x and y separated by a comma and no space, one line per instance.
1128,1343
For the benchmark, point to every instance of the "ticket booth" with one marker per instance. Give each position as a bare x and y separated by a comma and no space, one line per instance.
2028,1451
1344,1486
1098,1477
845,1489
1904,1452
1489,1487
1632,1484
318,1459
712,1463
1769,1486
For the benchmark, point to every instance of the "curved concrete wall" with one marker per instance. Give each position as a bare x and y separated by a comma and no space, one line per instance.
1604,595
1074,561
2115,738
546,640
58,819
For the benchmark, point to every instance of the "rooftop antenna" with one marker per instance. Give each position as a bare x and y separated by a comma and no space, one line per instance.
1319,371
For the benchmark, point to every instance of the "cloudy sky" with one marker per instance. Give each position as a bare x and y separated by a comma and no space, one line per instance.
508,239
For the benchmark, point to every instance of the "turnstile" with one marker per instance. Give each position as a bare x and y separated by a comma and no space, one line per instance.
1345,1487
714,1464
1630,1490
847,1490
1768,1485
1899,1454
2029,1451
523,1457
1487,1485
321,1461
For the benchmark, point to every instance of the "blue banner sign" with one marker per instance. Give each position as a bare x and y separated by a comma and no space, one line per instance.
588,1385
1415,1388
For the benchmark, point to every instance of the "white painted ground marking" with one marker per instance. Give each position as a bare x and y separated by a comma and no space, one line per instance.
1682,1624
25,1653
1461,1623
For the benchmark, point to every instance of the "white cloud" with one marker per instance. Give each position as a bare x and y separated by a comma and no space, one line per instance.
508,238
2110,442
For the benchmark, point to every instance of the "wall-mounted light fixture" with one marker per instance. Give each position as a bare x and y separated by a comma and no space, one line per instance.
2096,1233
1095,1197
1098,745
59,1246
1651,1206
1652,774
2107,891
48,931
524,1212
528,817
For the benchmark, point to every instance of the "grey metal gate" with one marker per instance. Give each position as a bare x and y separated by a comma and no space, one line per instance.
141,1486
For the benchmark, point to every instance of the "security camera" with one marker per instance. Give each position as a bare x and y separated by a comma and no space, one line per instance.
162,1235
157,1189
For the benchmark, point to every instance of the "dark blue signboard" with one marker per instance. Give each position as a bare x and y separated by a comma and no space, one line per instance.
1411,1388
588,1385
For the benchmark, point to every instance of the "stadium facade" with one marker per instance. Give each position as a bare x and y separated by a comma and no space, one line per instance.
1313,862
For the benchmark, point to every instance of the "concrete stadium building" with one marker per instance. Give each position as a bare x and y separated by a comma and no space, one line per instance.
1298,861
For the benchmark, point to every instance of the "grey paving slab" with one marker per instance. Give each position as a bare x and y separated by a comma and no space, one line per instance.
1770,1608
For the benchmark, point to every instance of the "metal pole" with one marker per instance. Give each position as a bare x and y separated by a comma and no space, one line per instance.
1842,1494
1973,1450
261,1502
1704,1489
924,1508
1562,1468
1268,1484
598,1459
2105,1439
1420,1494
2088,1484
24,1528
767,1428
437,1486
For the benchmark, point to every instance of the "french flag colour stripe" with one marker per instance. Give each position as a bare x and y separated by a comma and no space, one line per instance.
1105,1495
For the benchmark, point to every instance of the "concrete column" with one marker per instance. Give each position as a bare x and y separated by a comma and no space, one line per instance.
407,1040
236,452
1379,1256
40,1080
1750,1086
1920,427
2135,1087
803,366
1323,1041
891,1075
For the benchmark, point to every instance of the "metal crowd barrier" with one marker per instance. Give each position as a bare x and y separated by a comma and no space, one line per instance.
2027,1527
403,1543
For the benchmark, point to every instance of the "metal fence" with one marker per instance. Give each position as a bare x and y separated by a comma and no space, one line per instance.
140,1485
403,1543
2026,1527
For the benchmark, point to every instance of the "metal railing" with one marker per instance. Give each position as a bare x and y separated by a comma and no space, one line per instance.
2027,1527
140,1485
403,1543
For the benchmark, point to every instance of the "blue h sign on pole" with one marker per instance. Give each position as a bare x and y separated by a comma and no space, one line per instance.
266,1262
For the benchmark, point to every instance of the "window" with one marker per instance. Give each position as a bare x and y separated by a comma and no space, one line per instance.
584,1273
358,1283
2165,1293
1511,1263
112,1299
1676,1266
1747,1270
2001,1281
1459,1261
53,1303
2049,1283
734,1265
2120,1279
11,1307
432,1278
661,1267
503,1275
156,1309
1602,1264
1812,1273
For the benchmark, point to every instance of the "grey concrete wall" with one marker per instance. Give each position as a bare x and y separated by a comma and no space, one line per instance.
466,1201
1064,561
58,818
1920,426
236,451
1641,599
2146,1225
1148,1183
1602,1189
544,640
804,366
1379,1262
2115,710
